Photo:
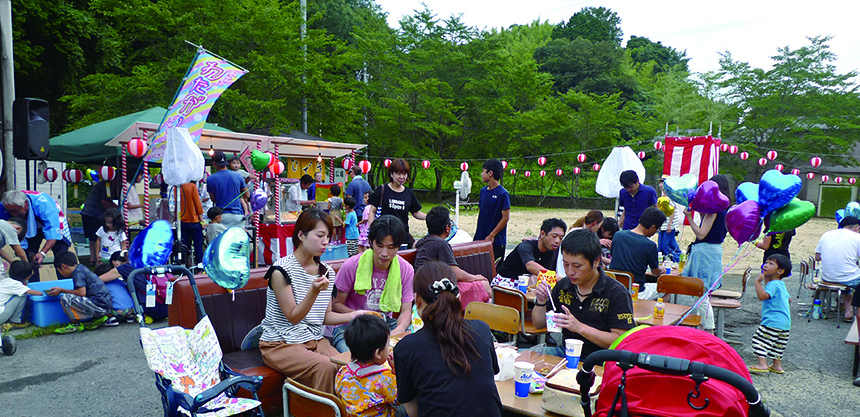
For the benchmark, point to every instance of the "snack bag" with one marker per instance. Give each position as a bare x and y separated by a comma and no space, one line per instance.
548,277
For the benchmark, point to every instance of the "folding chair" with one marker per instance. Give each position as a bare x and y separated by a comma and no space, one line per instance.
517,300
680,285
499,318
625,278
303,401
819,286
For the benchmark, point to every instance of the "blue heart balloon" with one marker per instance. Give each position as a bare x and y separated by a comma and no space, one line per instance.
746,191
776,189
852,209
681,189
227,260
152,246
840,214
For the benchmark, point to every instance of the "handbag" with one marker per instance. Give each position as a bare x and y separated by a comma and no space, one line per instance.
381,197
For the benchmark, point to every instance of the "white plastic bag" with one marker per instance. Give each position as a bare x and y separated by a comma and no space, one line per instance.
608,179
183,161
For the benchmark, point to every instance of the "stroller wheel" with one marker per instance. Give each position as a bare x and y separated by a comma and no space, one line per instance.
10,345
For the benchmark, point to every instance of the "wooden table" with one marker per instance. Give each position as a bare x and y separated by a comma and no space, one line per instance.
643,311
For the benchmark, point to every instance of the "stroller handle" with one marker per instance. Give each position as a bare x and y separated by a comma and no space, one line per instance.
668,365
156,270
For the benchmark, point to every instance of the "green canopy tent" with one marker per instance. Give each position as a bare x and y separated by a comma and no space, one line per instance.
87,145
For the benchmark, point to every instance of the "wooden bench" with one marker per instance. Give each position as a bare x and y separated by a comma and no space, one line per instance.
852,339
234,315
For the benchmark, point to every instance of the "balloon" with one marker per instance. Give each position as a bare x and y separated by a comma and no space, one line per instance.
709,199
791,216
227,259
258,199
743,221
840,214
665,205
681,189
93,174
775,190
853,209
260,160
746,191
152,246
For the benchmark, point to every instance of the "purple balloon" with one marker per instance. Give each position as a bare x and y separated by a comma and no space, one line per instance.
743,221
258,199
709,199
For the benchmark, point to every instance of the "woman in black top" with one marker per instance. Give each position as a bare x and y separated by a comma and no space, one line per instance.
446,368
396,199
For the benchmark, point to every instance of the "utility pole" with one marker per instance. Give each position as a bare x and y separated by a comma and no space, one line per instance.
303,34
7,85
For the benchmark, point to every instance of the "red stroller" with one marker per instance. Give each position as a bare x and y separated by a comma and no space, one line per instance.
678,371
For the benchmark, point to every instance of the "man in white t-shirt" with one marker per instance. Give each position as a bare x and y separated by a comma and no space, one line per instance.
297,195
839,253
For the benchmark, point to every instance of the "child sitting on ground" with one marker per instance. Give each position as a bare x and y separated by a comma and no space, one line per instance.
12,291
364,224
772,335
89,300
111,236
215,226
350,225
367,387
335,211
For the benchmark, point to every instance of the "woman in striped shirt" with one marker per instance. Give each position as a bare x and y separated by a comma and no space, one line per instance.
298,303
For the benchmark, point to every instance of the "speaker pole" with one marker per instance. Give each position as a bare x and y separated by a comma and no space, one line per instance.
7,81
27,170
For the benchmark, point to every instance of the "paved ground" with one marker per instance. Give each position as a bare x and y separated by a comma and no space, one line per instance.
104,373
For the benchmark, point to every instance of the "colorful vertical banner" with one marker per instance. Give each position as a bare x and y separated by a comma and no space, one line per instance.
207,77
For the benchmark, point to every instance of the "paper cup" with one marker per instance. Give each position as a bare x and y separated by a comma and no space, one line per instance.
551,326
572,350
523,283
522,378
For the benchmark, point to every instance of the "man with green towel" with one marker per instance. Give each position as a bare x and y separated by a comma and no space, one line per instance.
373,281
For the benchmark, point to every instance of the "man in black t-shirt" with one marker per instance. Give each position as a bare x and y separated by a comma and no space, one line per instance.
633,251
589,306
532,256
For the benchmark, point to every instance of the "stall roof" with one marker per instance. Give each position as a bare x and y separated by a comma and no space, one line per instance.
87,144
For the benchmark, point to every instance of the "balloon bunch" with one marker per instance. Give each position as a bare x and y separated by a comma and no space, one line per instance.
771,202
704,198
852,209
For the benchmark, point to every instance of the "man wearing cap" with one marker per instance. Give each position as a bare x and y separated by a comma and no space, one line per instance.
227,189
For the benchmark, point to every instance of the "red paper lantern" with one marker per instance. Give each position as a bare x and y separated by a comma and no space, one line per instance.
771,155
386,162
542,173
559,172
852,180
824,178
733,149
779,167
504,164
795,171
762,161
347,164
73,176
365,166
658,145
641,154
107,173
513,171
268,174
425,164
464,166
838,180
595,167
810,175
159,179
815,161
277,167
137,147
528,174
576,170
580,157
542,161
744,155
724,147
50,174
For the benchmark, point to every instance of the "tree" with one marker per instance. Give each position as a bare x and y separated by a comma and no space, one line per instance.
596,24
586,66
666,58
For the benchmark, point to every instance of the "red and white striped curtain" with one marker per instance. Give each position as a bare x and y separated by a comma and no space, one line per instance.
699,155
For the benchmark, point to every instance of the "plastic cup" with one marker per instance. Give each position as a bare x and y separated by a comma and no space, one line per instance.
551,326
523,283
572,350
522,378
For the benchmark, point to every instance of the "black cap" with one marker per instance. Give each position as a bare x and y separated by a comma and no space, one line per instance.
219,159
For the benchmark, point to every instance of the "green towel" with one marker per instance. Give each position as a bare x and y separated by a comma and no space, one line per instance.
393,290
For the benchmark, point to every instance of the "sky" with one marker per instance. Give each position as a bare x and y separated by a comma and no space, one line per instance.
751,30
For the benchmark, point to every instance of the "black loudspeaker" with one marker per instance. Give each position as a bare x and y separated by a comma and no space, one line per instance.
31,128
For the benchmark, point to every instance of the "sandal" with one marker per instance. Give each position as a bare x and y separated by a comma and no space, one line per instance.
758,370
776,371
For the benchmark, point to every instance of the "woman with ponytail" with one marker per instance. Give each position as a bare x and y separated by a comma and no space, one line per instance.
591,221
446,367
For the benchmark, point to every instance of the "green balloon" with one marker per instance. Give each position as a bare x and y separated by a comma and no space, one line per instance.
260,160
791,216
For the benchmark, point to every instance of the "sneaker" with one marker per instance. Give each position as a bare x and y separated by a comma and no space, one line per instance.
96,323
130,320
10,326
111,322
71,328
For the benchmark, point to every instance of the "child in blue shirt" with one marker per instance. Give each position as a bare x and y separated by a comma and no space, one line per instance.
350,224
772,335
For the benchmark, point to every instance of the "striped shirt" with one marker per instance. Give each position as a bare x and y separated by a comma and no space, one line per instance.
276,327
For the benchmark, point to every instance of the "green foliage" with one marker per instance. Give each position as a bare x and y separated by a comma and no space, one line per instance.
666,58
596,24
